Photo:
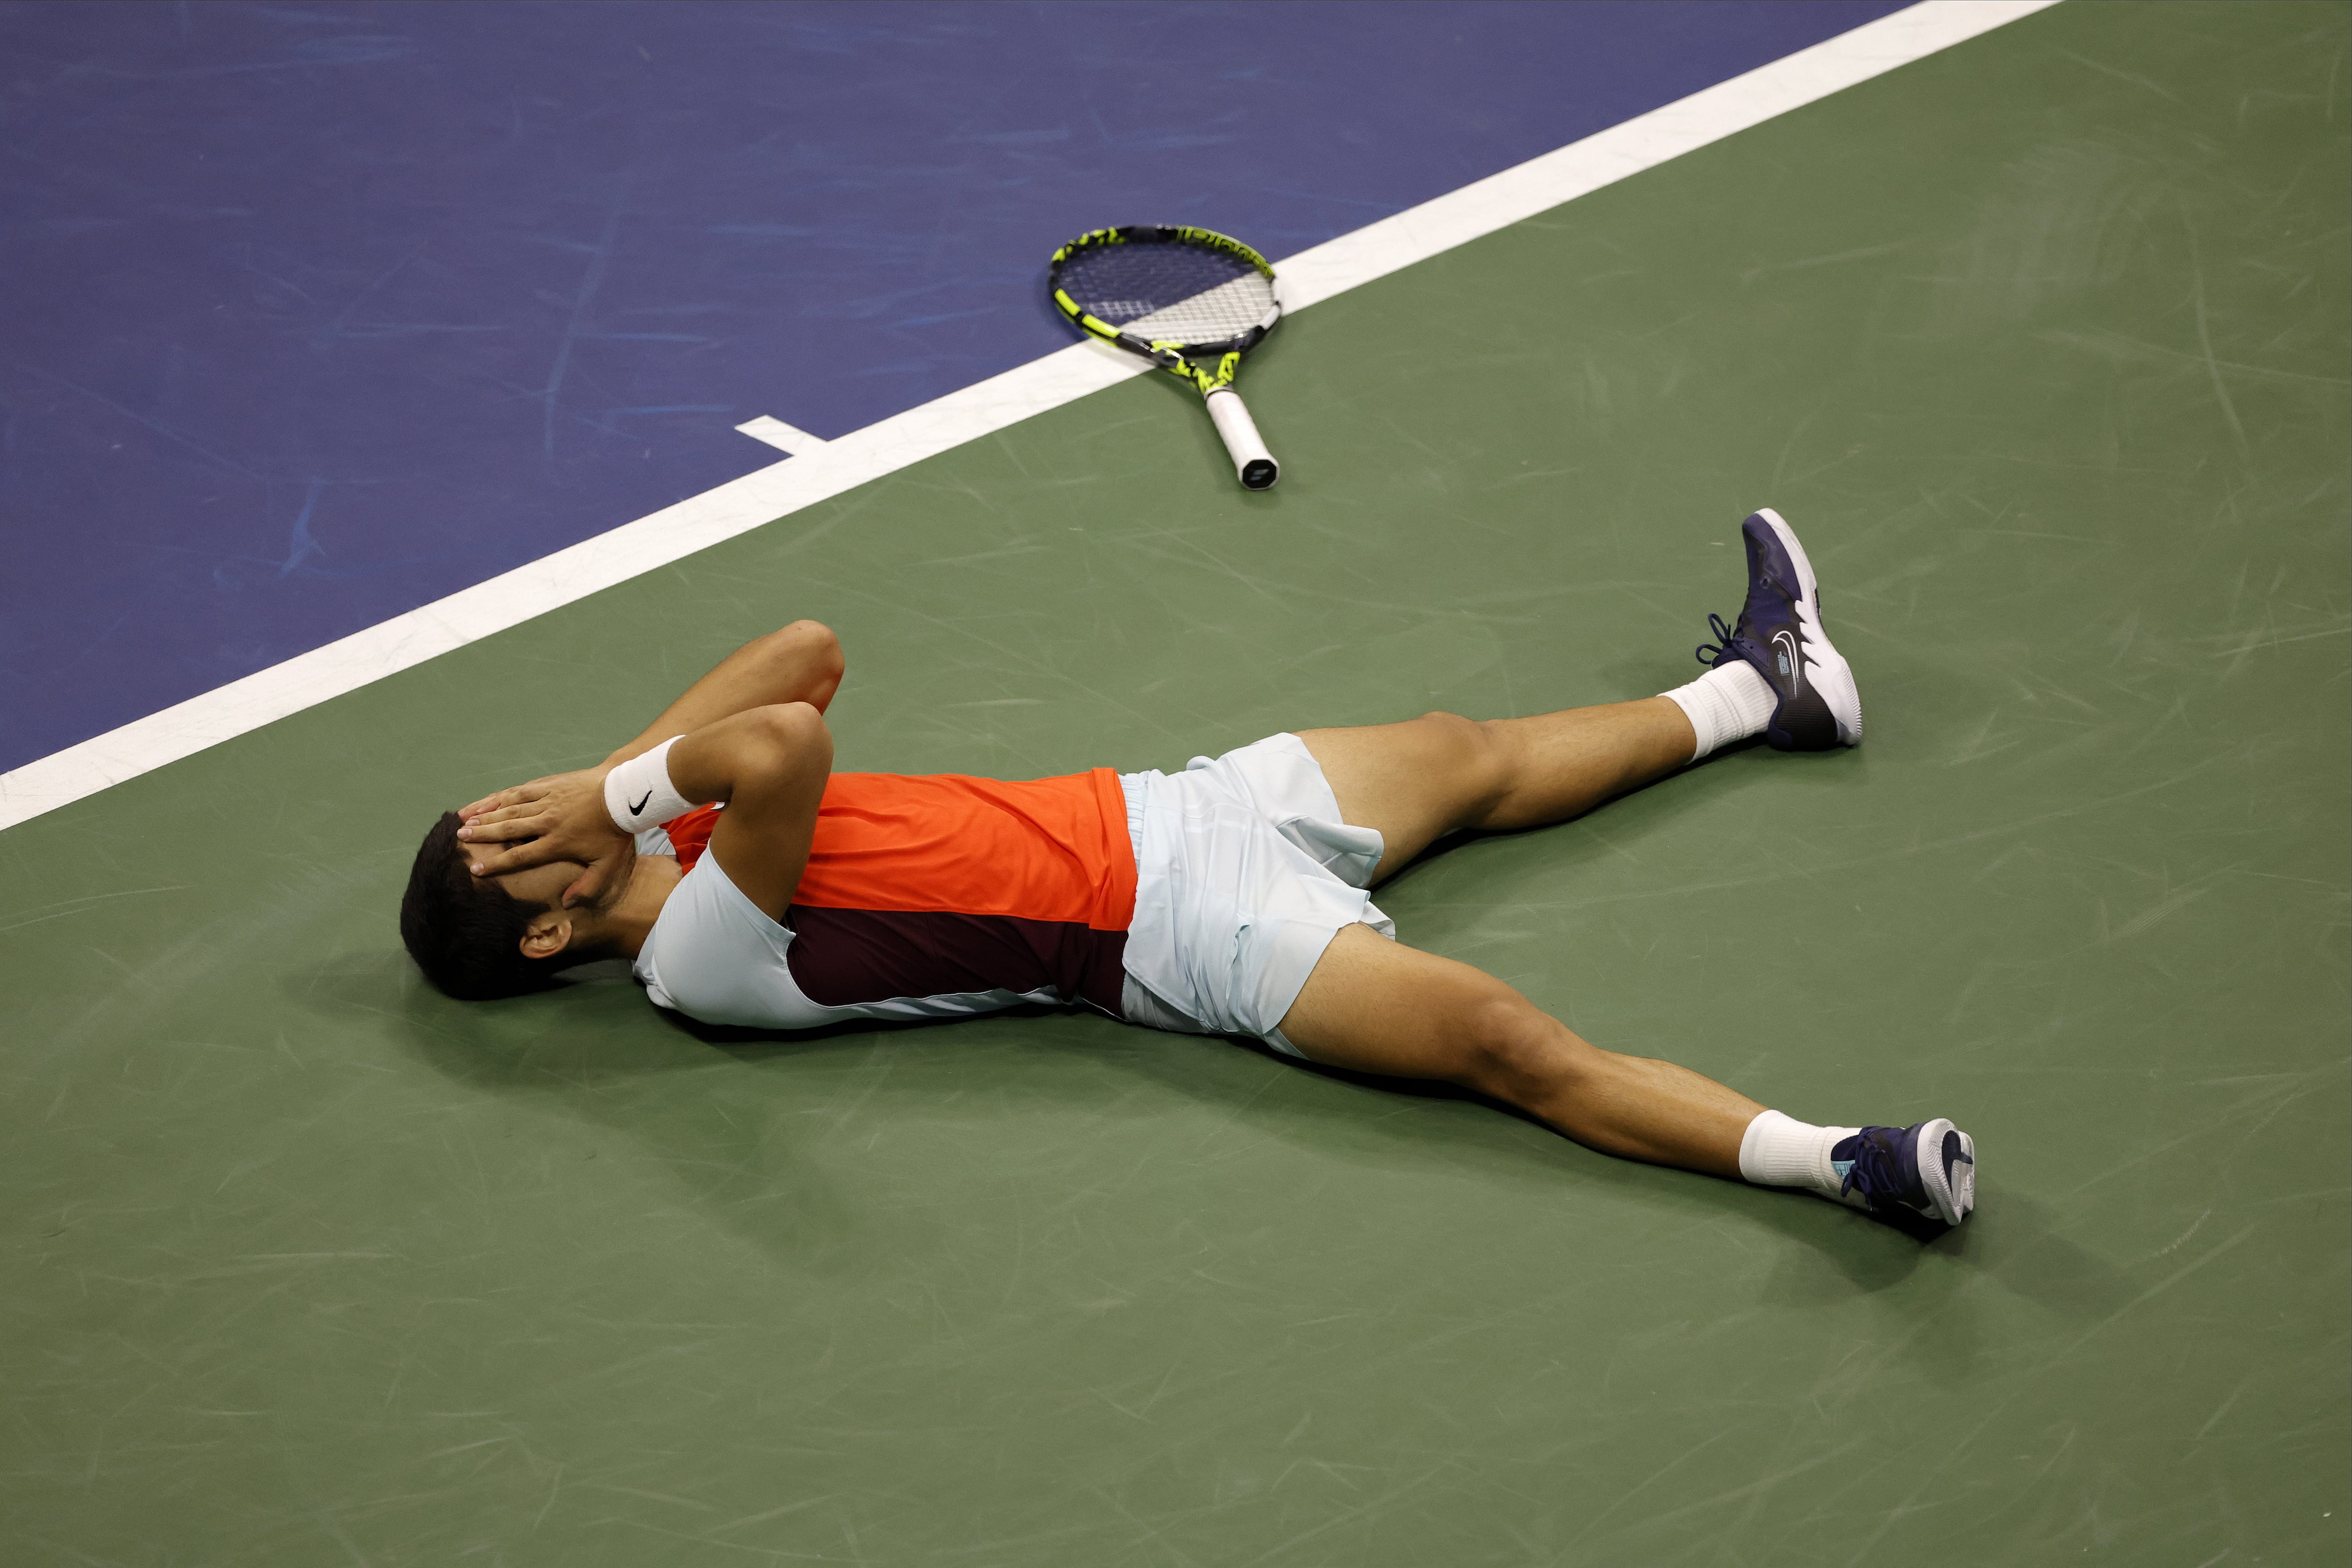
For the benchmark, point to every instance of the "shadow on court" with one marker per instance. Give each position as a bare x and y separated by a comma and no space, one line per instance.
711,1105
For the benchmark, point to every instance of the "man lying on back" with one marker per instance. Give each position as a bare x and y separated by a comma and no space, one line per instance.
750,885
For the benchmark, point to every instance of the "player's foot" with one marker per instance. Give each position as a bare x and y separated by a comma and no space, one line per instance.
1779,632
1928,1169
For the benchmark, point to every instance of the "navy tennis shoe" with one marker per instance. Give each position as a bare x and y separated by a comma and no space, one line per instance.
1779,632
1928,1169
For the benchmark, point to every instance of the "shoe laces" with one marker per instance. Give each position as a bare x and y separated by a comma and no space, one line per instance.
1711,654
1877,1167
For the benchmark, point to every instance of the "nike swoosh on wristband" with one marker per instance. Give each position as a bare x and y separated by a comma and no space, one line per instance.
640,804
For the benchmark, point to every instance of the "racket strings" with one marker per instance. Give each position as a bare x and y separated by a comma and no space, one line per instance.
1175,292
1225,311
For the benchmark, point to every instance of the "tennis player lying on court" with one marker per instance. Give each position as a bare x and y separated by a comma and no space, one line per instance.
1228,899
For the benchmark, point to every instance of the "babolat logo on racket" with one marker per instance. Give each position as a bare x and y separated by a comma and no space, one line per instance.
1187,299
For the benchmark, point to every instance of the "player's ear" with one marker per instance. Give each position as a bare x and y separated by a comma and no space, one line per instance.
549,932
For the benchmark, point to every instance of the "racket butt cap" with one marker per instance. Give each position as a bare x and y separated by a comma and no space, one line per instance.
1253,463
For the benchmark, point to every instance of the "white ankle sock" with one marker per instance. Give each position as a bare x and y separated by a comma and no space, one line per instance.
1780,1151
1730,702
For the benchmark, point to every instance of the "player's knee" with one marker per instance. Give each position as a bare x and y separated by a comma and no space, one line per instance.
1473,754
1515,1050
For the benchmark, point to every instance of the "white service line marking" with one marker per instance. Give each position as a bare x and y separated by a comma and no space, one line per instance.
825,469
781,436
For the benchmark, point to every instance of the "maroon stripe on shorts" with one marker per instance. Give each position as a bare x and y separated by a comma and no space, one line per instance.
842,958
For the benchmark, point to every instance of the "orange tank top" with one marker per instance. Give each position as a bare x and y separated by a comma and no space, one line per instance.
942,883
1044,848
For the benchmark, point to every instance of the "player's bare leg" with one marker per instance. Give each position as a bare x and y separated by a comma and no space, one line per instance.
1377,1006
1434,775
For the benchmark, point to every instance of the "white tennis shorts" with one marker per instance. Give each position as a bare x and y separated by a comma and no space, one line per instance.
1243,873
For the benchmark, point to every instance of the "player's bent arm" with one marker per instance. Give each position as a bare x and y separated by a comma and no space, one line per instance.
563,817
768,765
800,663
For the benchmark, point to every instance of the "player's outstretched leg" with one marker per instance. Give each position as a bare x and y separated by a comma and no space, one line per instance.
1376,1006
1776,674
1429,775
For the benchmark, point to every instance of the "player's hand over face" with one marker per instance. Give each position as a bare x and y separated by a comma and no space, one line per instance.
559,818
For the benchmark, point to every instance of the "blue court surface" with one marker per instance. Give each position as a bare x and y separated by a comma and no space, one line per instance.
318,313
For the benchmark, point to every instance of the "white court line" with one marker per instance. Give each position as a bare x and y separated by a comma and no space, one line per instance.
825,469
781,436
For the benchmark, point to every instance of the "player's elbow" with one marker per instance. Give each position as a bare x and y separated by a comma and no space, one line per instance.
806,649
790,735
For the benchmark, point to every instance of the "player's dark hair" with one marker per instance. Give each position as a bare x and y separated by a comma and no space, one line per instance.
465,931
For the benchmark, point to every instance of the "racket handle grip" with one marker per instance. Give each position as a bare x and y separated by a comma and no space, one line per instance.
1253,463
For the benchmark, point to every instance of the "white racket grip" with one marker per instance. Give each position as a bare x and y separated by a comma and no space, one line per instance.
1253,463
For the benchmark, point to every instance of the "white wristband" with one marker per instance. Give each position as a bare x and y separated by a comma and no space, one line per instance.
638,793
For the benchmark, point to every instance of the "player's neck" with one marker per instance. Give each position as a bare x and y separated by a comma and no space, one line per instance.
621,927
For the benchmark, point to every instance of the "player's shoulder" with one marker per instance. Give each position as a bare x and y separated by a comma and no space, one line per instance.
705,910
716,956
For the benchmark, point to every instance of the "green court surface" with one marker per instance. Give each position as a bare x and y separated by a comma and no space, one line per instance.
2041,345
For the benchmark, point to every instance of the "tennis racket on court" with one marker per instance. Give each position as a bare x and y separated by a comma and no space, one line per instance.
1189,300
